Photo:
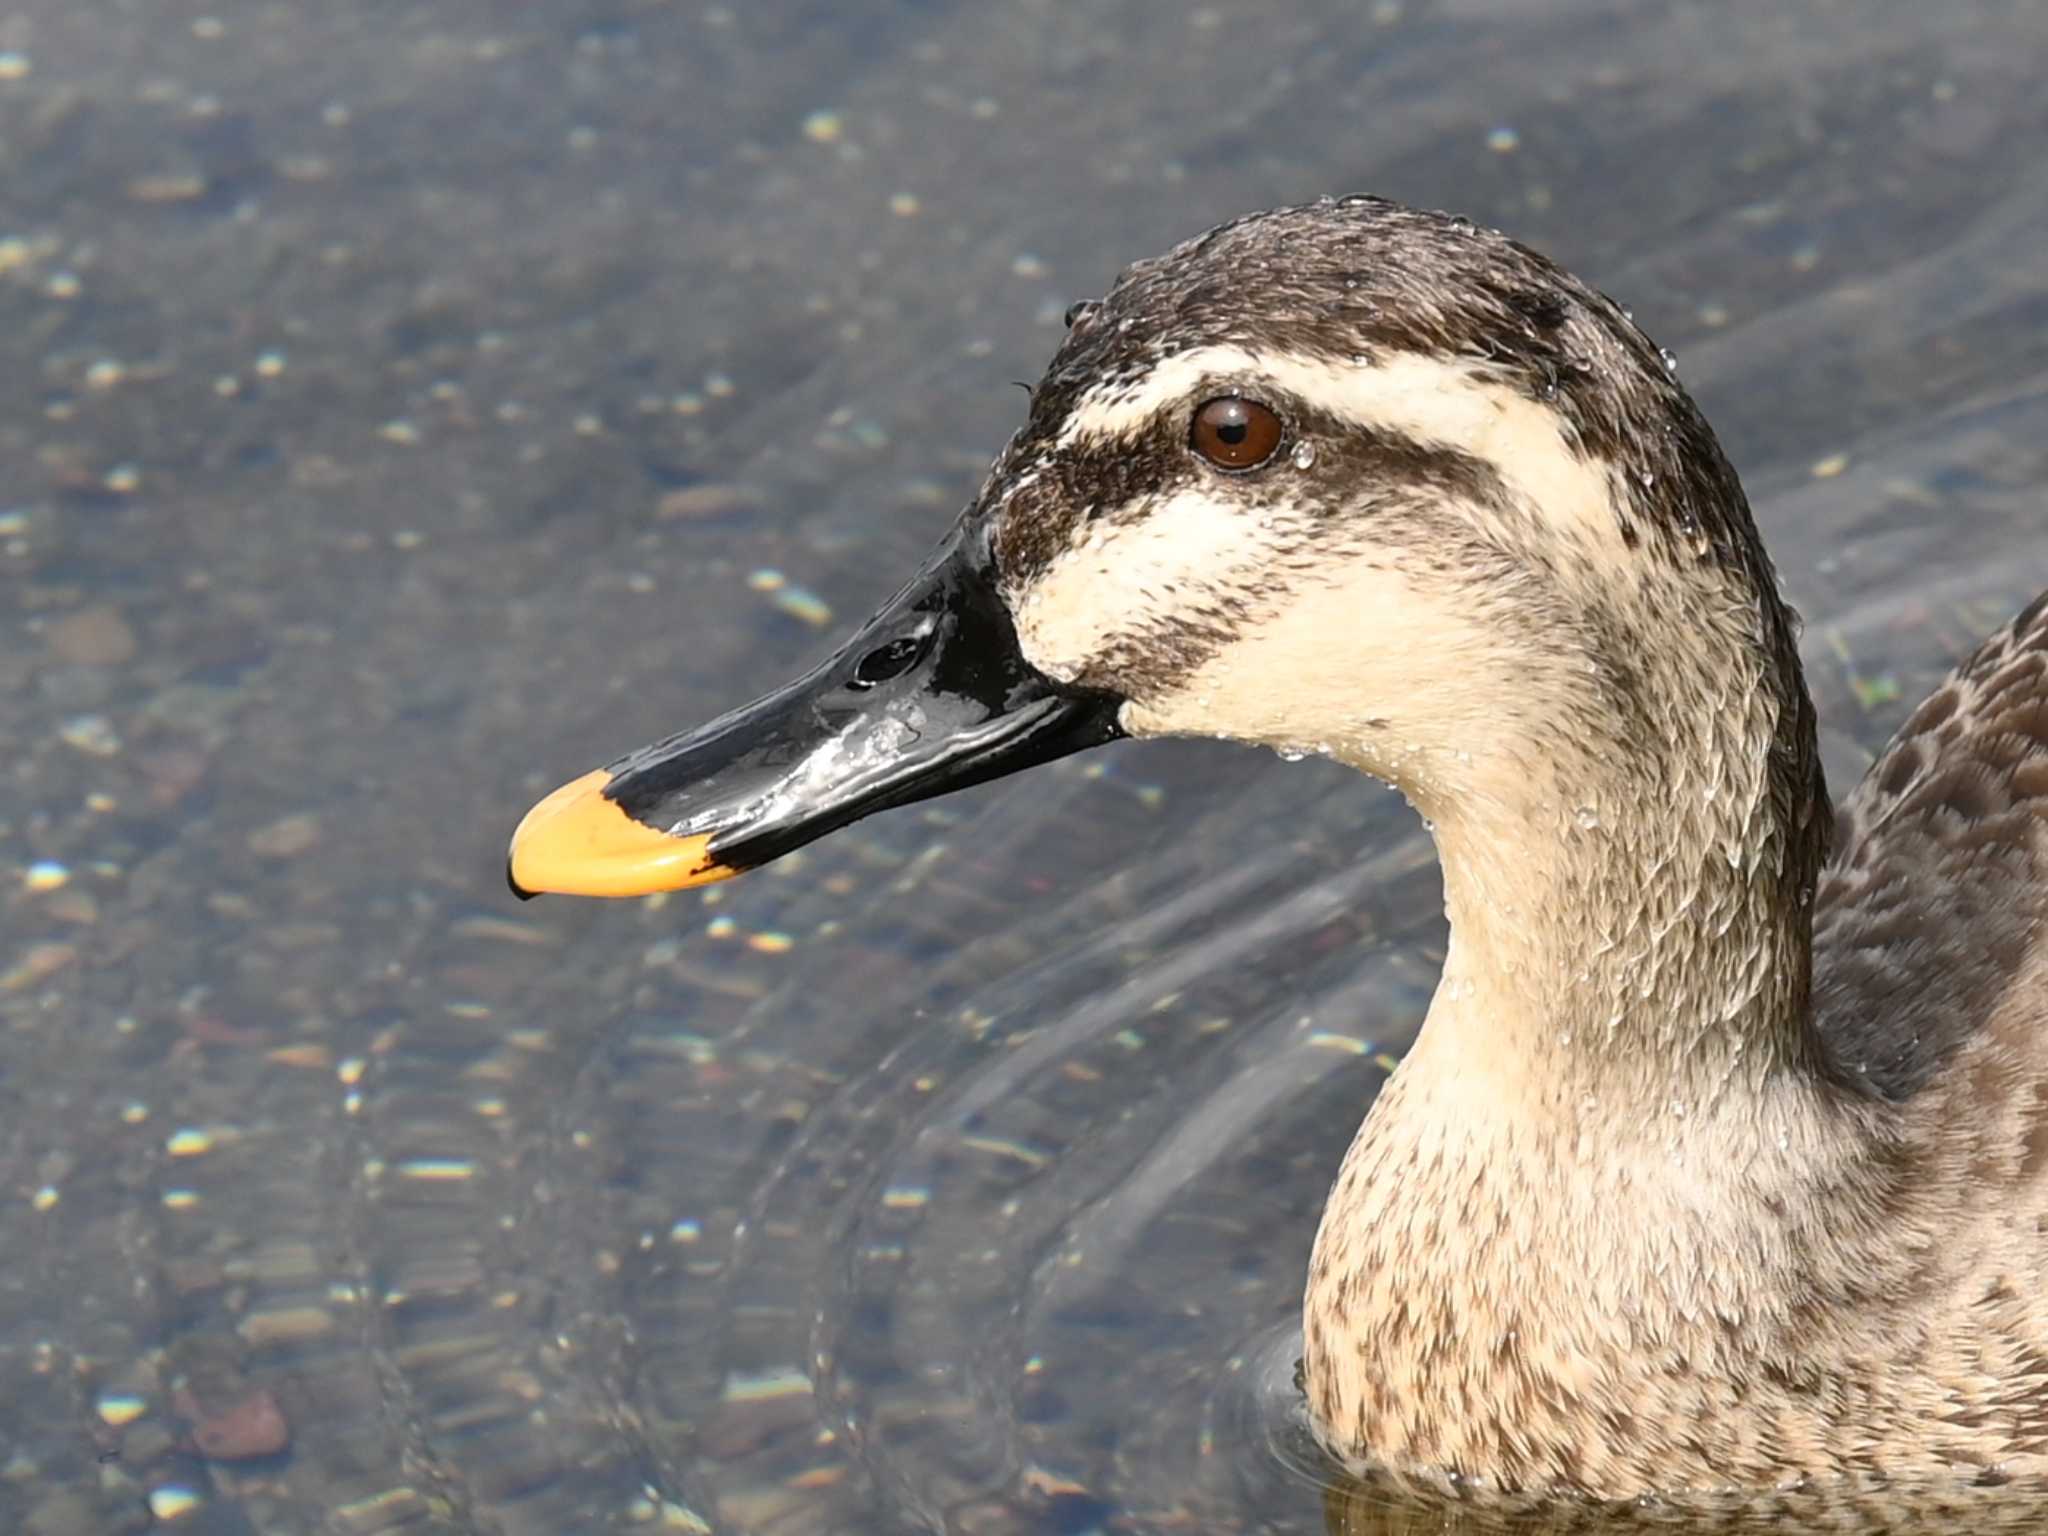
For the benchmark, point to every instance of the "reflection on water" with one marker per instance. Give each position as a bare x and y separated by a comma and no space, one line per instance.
403,411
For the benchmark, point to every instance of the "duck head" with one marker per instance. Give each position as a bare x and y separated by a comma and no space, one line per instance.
1346,478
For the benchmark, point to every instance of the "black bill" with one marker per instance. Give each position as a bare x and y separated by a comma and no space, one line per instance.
933,694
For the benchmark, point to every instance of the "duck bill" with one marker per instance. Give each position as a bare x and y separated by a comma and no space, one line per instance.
933,694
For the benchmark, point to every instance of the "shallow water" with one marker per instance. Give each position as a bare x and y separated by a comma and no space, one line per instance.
404,409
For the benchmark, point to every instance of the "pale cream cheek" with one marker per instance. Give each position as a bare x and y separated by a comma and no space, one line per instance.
1399,681
1175,557
1402,675
1332,664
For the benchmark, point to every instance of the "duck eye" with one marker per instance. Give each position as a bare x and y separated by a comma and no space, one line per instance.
1234,433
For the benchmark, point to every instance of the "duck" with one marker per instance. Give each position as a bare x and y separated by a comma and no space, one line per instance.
1720,1160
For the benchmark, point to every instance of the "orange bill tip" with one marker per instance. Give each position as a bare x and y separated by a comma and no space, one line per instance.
578,843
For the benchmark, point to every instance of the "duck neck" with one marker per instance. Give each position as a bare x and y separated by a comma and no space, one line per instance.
1620,945
1617,1078
1634,918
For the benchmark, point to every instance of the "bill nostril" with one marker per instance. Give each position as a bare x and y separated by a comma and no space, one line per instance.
886,661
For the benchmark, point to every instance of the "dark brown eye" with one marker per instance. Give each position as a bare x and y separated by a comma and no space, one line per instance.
1233,433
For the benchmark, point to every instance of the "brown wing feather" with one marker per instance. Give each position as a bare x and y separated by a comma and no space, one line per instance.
1938,889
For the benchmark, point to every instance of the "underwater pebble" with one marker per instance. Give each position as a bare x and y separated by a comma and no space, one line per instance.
668,1515
286,1325
176,187
692,503
504,930
286,837
309,1054
755,1407
437,1170
173,1501
46,875
189,1142
91,637
998,1146
38,963
172,773
766,1508
381,1512
147,1442
765,1386
90,734
804,605
119,1408
247,1426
